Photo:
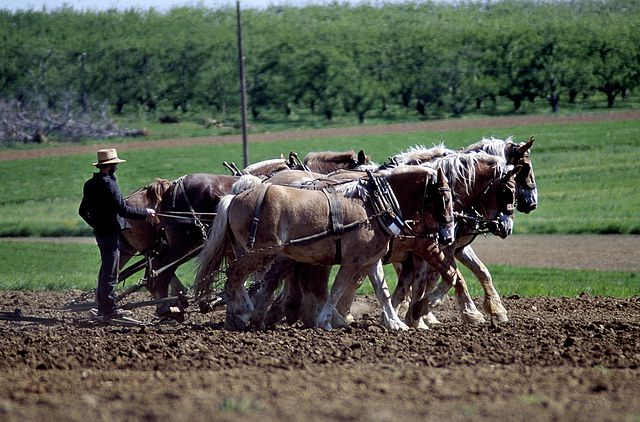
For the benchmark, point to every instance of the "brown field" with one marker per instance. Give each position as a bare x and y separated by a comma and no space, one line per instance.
557,359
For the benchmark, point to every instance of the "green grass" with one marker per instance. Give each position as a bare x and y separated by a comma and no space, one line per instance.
586,175
42,265
525,281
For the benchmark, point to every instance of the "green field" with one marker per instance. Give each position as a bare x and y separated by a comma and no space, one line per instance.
44,265
586,173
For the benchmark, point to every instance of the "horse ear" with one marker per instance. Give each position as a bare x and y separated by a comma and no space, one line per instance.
362,158
526,147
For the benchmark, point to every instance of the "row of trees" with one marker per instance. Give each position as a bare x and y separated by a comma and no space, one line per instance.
423,57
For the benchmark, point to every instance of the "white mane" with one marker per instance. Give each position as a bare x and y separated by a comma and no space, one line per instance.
353,189
420,154
245,182
460,167
492,146
255,166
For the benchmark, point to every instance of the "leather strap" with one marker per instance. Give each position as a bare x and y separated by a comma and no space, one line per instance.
253,227
336,218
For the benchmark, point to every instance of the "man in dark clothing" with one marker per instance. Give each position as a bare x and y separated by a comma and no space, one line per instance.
105,210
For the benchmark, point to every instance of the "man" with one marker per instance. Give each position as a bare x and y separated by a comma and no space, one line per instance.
105,210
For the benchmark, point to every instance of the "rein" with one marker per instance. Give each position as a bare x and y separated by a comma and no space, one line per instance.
188,216
179,183
479,222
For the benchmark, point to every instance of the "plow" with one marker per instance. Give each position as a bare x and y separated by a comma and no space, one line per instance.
168,308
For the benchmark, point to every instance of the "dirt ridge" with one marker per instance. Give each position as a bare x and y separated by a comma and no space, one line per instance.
432,125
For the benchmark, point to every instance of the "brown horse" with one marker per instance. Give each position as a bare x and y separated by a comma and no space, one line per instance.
323,162
186,206
479,181
143,236
293,223
501,192
525,200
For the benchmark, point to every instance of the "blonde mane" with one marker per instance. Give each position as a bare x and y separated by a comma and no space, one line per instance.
492,146
420,154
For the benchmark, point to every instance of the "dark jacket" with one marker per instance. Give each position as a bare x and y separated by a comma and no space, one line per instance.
103,206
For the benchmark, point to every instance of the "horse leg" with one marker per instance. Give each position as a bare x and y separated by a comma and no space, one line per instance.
470,314
314,290
430,278
264,297
239,306
423,280
390,318
492,303
444,262
293,291
345,281
404,270
288,304
344,304
175,286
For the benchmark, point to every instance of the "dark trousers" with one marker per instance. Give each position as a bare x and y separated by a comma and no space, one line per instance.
109,245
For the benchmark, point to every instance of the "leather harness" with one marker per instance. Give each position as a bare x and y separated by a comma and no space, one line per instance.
382,199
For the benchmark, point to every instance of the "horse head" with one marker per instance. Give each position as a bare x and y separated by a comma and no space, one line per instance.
444,210
143,234
363,159
266,167
154,192
526,189
326,162
483,189
506,198
424,193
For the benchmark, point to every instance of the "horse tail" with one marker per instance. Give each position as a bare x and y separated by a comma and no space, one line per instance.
210,258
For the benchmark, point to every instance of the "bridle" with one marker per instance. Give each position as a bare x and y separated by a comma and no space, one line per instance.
505,197
445,220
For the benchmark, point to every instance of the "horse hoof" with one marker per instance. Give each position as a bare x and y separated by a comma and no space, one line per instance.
349,318
234,324
399,326
422,326
474,318
258,326
325,327
337,321
501,318
394,325
431,319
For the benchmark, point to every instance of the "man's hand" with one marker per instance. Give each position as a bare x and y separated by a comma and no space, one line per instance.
152,217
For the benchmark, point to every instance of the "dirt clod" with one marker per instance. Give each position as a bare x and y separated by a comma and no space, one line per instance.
556,359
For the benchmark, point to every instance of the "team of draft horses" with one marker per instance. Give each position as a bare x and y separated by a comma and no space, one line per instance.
278,227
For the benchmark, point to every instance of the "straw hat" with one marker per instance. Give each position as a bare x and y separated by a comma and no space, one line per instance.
108,156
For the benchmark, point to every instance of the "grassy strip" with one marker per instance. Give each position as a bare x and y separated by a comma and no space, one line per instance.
585,173
62,266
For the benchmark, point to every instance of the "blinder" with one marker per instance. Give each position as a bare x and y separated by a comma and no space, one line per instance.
506,195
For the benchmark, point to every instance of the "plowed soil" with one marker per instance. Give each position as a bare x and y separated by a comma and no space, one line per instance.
556,359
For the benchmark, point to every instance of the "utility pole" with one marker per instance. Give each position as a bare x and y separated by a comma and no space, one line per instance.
243,89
